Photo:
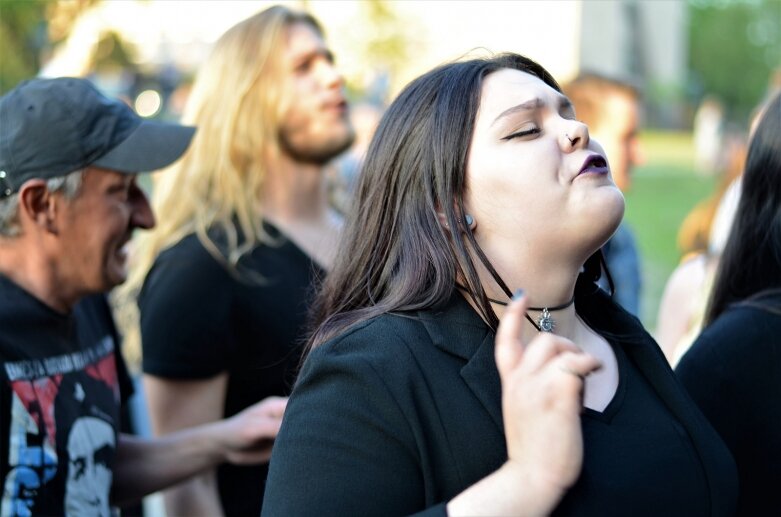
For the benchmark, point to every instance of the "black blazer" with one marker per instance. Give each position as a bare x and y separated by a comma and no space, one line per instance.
403,412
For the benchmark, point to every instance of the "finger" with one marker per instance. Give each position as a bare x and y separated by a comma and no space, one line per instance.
264,428
573,367
274,405
544,348
508,347
578,363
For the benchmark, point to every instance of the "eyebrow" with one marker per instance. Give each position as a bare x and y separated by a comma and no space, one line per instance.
536,103
313,54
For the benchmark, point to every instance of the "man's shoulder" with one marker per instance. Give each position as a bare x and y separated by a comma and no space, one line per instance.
188,249
186,262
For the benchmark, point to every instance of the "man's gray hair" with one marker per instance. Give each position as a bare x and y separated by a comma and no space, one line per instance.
69,185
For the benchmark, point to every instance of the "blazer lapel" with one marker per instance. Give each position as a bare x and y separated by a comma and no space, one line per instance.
458,330
482,377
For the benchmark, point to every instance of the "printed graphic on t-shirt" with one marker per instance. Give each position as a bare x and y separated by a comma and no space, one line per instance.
62,433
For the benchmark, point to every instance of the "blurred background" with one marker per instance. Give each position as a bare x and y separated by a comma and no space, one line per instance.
702,66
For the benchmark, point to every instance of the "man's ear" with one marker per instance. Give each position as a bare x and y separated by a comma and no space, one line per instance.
37,205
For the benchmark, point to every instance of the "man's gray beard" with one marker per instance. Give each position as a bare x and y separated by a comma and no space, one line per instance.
316,155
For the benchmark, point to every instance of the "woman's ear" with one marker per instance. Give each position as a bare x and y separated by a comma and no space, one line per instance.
443,220
37,205
469,222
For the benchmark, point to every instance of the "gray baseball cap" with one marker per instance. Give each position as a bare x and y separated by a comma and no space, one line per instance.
51,127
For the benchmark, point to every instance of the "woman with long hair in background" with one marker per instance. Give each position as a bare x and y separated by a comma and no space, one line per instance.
733,369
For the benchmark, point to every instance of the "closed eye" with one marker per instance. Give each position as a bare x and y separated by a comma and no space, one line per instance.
525,132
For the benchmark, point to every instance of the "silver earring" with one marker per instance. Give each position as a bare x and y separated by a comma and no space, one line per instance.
469,220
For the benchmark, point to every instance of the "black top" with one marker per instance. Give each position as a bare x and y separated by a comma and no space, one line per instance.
637,456
733,371
403,412
62,380
198,319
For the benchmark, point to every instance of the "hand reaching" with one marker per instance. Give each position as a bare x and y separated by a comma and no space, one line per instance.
249,435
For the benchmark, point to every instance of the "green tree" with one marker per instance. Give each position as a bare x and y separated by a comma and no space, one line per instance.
735,45
28,28
22,31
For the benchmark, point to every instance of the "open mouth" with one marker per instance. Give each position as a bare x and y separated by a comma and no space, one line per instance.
339,105
594,164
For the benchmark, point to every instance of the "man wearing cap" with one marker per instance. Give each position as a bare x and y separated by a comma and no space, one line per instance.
69,203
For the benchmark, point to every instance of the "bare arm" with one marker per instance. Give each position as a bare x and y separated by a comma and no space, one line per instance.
145,466
542,387
177,405
678,305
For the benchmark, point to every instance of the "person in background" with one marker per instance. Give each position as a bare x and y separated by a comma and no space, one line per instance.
683,304
245,230
708,135
611,110
69,204
733,369
702,238
343,173
479,181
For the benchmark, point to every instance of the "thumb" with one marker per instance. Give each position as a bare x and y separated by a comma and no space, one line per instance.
508,347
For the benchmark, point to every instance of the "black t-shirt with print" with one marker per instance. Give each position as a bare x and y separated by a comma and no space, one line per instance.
62,381
199,319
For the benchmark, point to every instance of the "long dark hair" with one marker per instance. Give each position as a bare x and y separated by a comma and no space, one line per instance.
394,254
750,266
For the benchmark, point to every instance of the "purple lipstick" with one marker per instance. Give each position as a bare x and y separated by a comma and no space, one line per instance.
594,164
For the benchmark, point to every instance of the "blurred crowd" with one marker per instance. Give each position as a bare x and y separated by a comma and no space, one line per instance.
426,306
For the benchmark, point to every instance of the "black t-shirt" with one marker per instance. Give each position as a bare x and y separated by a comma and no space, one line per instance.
63,380
636,451
199,319
733,372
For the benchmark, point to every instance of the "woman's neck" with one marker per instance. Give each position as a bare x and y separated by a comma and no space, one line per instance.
548,282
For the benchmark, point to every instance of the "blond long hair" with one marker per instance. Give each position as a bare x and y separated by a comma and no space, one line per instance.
237,103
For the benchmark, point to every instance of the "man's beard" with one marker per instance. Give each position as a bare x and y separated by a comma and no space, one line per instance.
319,154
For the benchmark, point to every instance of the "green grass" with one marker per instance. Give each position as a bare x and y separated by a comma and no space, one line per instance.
663,192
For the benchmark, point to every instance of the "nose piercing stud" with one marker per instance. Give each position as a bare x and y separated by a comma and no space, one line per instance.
571,141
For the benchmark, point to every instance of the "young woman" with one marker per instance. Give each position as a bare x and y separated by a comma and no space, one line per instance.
479,181
733,370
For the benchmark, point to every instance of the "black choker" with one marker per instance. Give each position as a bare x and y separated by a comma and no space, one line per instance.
557,308
545,323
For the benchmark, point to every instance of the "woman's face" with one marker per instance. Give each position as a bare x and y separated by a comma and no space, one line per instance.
535,181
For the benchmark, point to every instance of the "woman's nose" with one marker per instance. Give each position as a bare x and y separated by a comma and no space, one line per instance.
575,136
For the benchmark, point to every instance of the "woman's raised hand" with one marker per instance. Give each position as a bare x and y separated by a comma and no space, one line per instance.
542,393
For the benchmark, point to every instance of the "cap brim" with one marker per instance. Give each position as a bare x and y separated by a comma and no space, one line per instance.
151,146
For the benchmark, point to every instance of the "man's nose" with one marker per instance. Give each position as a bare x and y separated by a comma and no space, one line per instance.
142,215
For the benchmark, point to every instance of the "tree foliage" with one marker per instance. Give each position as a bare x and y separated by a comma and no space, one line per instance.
735,47
29,29
21,28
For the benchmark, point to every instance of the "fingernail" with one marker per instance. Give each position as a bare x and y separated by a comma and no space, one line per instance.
518,294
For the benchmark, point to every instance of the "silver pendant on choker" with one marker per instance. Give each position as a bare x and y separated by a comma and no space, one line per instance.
545,322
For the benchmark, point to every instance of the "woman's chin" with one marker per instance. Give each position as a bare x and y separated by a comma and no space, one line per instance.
605,219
